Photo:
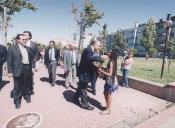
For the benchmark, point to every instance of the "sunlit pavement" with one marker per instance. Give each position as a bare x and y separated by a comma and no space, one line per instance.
55,105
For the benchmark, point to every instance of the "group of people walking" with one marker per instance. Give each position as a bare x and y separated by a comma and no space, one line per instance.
22,56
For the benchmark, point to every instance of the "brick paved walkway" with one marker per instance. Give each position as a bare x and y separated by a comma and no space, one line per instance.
54,104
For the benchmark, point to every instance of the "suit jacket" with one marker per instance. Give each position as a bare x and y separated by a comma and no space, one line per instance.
14,60
46,55
3,54
36,53
68,59
86,68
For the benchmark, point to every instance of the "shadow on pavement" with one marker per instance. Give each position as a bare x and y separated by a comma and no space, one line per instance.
3,84
96,104
44,79
61,75
60,82
68,95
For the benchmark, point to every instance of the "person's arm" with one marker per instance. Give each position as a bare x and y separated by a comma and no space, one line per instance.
110,70
92,58
9,61
5,54
45,58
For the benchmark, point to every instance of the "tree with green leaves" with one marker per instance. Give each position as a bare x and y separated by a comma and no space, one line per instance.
149,35
85,18
104,33
8,8
119,42
170,51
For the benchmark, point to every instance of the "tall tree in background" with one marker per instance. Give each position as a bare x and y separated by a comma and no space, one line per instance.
8,8
85,19
104,33
170,51
149,35
119,42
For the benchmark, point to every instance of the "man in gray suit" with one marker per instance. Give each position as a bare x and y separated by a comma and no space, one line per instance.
70,66
19,62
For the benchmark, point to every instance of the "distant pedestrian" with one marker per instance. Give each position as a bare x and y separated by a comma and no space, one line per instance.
111,83
70,62
19,61
51,58
42,55
126,66
3,58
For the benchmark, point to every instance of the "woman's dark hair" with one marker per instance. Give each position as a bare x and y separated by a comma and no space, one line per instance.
114,54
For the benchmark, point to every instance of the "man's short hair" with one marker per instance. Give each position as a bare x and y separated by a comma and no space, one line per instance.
52,42
93,41
30,34
18,36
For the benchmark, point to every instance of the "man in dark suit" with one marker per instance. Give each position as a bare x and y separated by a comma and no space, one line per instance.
19,62
51,58
3,58
35,51
86,74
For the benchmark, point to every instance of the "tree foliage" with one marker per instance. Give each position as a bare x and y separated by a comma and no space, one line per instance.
119,42
171,47
104,34
16,6
85,18
149,35
13,6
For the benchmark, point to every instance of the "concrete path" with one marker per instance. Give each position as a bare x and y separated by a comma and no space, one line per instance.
57,110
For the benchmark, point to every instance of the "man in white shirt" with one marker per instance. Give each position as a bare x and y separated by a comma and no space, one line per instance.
19,61
51,58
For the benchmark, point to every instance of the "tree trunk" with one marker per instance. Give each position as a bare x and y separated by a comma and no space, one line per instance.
169,62
82,33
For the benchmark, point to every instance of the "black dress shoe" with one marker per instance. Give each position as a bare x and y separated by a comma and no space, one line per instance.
32,93
94,92
28,100
53,84
89,108
17,105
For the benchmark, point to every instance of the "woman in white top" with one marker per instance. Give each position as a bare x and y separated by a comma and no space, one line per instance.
126,66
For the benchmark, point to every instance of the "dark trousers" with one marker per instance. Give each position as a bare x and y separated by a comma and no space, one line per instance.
52,71
82,94
94,80
22,84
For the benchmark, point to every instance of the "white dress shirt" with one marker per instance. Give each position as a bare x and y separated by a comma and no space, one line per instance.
52,54
25,58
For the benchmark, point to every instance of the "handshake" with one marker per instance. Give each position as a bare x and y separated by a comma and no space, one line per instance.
104,57
99,64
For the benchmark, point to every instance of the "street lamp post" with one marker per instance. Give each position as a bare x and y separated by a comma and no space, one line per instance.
135,34
167,24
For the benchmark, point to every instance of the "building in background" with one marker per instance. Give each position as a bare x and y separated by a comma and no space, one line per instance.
130,33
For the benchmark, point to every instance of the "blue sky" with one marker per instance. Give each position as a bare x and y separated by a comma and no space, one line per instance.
53,19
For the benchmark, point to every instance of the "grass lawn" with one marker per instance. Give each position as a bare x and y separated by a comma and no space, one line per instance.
151,69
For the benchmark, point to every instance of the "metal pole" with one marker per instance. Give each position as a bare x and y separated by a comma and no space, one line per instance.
164,55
